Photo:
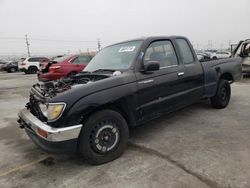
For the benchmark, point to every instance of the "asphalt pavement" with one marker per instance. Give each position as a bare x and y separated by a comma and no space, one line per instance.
197,146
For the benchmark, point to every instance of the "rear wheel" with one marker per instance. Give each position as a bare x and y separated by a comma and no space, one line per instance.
32,70
222,96
103,137
13,70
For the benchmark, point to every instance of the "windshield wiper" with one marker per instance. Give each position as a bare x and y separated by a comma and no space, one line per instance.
102,70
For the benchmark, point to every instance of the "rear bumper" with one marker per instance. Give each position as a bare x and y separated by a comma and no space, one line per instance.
57,139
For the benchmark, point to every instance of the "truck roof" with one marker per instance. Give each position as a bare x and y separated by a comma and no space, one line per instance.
150,38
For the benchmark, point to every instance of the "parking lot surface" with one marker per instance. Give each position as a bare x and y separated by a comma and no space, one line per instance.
197,146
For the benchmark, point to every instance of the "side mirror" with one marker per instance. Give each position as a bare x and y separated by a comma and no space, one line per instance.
151,66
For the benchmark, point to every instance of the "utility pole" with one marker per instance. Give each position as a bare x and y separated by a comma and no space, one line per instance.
28,44
98,44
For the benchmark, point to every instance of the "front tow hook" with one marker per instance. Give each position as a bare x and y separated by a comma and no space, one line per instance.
20,123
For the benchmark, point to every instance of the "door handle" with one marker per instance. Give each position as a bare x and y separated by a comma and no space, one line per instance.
180,74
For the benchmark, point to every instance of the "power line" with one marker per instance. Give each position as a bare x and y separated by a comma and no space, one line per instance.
11,38
57,40
50,40
46,40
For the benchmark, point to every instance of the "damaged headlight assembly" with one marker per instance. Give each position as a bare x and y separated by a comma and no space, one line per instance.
52,111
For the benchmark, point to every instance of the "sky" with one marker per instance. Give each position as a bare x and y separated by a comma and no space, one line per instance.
70,26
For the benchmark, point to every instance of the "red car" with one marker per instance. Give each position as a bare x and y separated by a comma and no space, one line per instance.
63,67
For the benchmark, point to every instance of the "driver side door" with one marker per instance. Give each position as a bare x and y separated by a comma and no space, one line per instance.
157,89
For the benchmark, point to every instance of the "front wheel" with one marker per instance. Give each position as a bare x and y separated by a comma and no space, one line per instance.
222,96
103,137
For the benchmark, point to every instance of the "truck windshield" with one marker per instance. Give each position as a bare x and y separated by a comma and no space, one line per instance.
115,57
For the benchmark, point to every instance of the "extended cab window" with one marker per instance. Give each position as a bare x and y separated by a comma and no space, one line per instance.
162,52
186,53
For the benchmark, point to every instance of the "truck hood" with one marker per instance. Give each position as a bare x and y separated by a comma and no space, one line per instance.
72,89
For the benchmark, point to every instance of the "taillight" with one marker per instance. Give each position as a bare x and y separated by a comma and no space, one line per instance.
54,67
23,63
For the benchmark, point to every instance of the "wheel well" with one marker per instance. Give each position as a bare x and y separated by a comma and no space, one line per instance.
32,67
227,76
111,106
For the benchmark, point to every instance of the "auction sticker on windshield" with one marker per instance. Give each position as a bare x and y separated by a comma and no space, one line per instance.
127,49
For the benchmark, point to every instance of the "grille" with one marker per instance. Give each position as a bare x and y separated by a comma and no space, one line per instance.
33,105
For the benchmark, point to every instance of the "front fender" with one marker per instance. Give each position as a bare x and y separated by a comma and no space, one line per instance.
124,96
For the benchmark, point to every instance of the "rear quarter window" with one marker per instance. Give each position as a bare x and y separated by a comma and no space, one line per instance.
37,59
82,59
33,59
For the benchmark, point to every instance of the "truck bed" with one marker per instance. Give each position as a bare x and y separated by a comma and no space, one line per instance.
214,69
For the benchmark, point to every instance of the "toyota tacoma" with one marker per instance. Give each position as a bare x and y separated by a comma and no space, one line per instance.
124,85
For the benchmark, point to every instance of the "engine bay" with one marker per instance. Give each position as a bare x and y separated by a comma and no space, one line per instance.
51,88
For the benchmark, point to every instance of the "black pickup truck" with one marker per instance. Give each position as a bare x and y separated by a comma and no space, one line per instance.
124,85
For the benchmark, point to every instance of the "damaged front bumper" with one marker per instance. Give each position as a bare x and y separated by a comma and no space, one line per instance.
49,138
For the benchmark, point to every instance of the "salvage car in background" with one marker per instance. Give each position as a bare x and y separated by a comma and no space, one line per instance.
2,63
125,84
220,55
63,67
31,65
10,67
202,57
243,51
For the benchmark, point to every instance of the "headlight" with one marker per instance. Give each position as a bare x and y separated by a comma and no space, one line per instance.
43,108
55,110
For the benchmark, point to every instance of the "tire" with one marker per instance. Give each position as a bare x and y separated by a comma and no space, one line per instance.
13,70
32,70
214,58
222,96
103,137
